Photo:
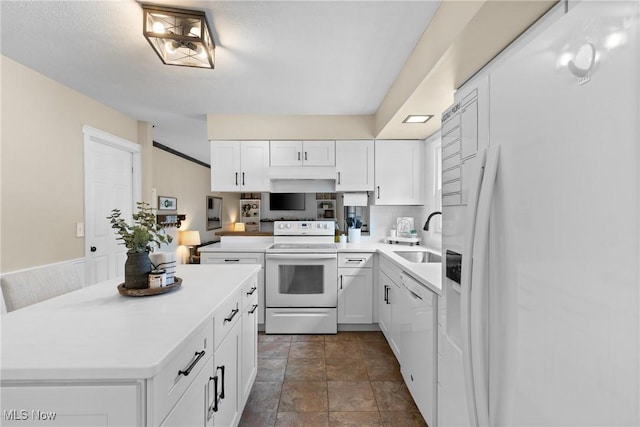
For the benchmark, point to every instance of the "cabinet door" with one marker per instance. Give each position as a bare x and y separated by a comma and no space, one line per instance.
384,305
319,153
249,348
285,153
193,407
254,157
225,165
354,165
397,321
227,370
355,295
399,172
96,405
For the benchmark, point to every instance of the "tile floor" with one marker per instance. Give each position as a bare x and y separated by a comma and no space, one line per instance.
348,379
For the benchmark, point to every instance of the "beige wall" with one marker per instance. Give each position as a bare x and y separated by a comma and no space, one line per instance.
42,165
238,126
190,183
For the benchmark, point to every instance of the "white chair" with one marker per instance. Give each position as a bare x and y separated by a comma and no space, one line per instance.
26,287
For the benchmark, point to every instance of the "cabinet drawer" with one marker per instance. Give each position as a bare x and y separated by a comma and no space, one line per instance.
250,292
168,386
225,317
231,258
390,269
355,260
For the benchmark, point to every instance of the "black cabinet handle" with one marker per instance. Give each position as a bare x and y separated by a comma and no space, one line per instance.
341,281
242,178
199,355
214,408
305,156
298,156
378,191
222,381
338,177
386,294
236,178
232,260
231,316
251,292
253,309
93,249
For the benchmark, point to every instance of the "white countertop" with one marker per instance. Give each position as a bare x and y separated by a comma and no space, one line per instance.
96,333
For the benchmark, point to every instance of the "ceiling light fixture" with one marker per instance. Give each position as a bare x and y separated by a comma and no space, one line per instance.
414,118
179,36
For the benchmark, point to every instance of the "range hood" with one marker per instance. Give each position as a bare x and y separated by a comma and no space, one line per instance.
302,179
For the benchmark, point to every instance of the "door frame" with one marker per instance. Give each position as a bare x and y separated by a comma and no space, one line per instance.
96,136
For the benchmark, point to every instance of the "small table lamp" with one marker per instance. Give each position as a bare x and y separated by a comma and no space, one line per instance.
190,238
238,226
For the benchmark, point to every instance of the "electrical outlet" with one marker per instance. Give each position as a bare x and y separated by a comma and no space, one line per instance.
79,229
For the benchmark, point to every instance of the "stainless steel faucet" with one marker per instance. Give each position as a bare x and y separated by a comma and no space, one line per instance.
426,224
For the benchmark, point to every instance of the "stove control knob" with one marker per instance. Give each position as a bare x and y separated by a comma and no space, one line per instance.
281,226
288,225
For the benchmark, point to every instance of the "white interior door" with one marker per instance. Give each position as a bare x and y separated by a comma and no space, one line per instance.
112,171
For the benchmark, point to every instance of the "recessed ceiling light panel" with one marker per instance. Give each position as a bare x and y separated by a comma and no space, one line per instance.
414,118
179,36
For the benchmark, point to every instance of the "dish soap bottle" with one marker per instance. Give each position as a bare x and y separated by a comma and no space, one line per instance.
337,233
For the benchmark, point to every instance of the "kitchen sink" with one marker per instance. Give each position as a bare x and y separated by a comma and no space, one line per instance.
419,256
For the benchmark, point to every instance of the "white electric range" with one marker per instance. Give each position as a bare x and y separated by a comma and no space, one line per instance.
301,283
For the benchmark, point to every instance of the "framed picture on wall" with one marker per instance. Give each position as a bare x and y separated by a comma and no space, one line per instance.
167,203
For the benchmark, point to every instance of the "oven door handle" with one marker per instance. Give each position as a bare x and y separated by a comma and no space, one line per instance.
305,256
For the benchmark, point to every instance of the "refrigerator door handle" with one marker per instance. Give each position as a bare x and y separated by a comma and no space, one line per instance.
466,285
478,298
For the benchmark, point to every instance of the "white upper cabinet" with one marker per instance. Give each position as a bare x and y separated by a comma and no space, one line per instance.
303,153
399,172
354,165
240,166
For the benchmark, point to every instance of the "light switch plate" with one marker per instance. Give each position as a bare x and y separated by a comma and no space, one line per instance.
79,229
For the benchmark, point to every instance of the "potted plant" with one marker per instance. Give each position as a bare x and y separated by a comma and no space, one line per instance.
139,239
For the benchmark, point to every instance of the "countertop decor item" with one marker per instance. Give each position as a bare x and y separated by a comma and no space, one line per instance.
140,238
149,291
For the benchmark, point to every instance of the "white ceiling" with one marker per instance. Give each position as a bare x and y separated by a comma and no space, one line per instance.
288,57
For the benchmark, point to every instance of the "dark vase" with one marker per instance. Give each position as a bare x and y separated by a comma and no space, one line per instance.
136,270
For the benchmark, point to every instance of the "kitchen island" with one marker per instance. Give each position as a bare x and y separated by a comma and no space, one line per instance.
94,357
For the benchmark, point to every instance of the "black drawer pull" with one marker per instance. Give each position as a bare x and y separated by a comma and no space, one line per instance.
232,260
252,291
199,355
231,316
253,309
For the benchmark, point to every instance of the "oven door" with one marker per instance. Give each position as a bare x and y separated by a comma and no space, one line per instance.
301,280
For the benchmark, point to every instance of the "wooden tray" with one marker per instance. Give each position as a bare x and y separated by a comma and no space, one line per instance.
149,291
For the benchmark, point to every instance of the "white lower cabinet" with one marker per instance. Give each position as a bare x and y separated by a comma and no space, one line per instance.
194,407
355,288
72,405
227,409
241,258
249,340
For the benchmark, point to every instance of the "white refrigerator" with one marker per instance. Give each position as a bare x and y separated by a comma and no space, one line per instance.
541,325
